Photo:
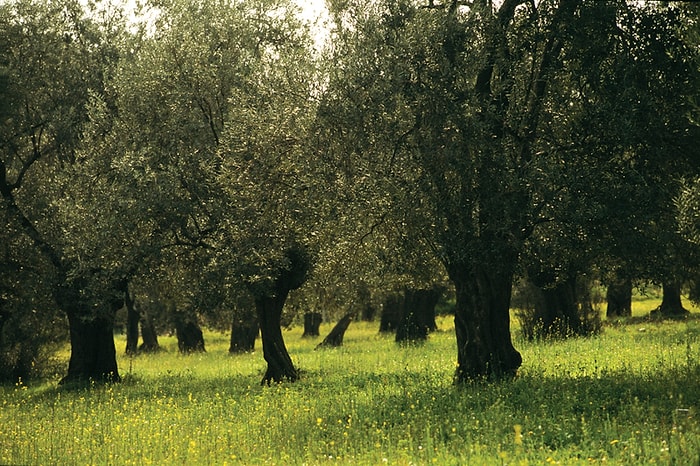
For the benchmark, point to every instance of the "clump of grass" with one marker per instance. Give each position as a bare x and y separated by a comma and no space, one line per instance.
626,396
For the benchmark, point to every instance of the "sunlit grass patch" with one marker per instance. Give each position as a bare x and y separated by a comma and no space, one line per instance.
628,396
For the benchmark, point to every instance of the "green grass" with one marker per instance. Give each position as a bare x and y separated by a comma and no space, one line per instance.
628,396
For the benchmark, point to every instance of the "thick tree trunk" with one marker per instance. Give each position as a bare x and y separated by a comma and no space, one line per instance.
148,334
482,324
391,313
280,367
189,338
671,305
189,335
418,315
91,323
244,331
132,324
336,335
312,323
619,298
93,354
18,348
556,309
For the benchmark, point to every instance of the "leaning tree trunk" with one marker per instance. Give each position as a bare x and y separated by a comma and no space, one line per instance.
335,337
619,298
280,367
244,331
418,315
671,305
312,324
482,324
132,324
93,354
269,301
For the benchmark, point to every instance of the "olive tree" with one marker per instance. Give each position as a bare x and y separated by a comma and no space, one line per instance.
268,173
440,109
208,147
481,128
55,55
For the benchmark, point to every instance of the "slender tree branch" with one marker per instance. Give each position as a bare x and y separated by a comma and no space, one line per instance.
7,193
375,225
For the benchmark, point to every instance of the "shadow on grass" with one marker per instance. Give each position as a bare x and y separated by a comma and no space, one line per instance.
651,318
567,413
585,414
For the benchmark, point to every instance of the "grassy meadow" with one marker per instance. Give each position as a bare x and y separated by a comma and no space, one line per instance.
628,396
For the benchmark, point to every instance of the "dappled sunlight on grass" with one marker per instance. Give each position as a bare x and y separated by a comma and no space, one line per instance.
627,396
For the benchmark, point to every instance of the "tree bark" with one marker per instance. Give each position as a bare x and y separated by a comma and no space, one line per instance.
495,226
280,367
93,354
619,298
189,335
132,324
269,302
391,313
556,309
482,324
418,315
18,348
149,334
364,300
336,335
90,320
312,323
671,304
244,331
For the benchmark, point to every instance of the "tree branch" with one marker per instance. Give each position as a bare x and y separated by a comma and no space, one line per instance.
374,226
7,193
504,16
551,51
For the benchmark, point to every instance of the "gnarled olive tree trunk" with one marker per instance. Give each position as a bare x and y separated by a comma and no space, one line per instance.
190,338
619,298
279,364
91,322
312,324
418,317
132,324
149,334
482,324
336,335
269,299
671,304
90,307
556,312
392,310
244,331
